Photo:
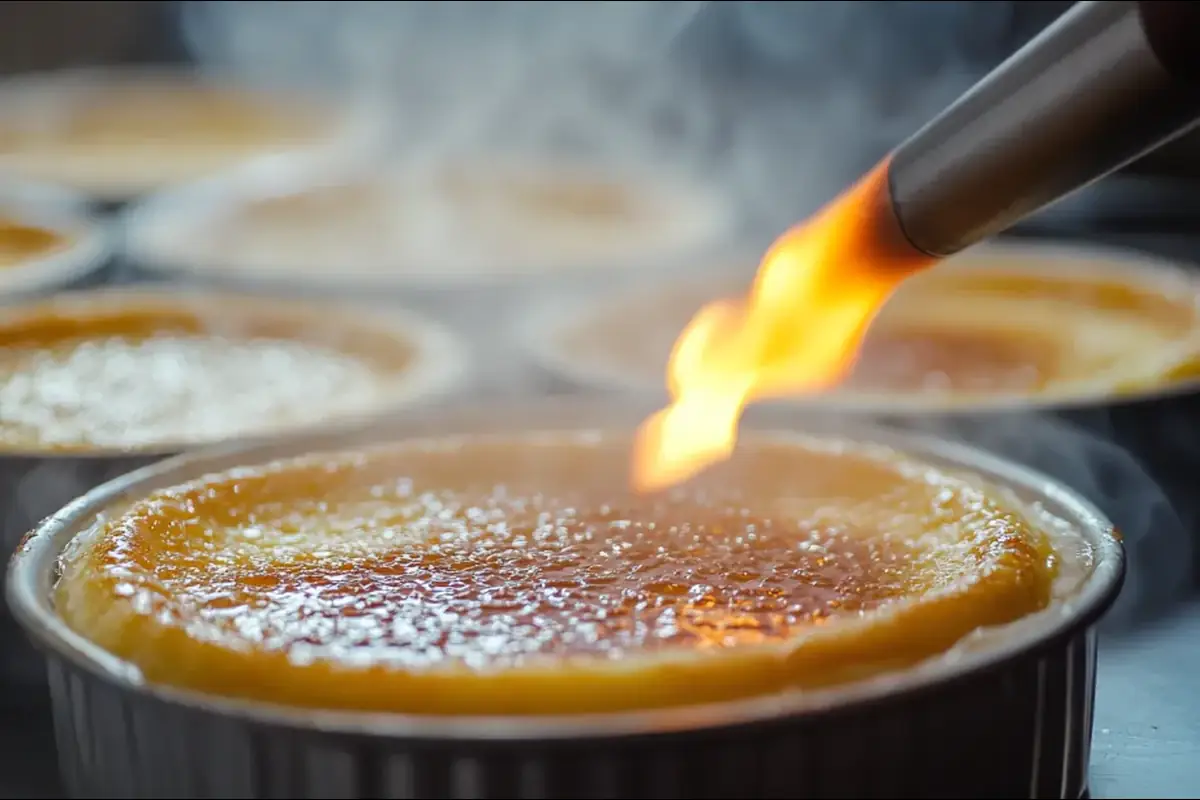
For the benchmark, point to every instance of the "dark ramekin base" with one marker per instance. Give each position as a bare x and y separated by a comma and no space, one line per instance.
1020,729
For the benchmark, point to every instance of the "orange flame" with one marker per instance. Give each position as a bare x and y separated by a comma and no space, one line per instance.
799,330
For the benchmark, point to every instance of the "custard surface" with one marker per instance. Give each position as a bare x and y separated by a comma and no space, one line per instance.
517,575
135,373
964,332
21,243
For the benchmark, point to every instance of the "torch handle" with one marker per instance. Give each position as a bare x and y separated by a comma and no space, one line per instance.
1104,84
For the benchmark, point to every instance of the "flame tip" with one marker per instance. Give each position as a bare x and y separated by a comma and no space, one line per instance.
817,290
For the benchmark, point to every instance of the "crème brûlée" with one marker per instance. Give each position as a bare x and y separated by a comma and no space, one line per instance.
123,134
514,574
141,370
446,224
988,326
22,243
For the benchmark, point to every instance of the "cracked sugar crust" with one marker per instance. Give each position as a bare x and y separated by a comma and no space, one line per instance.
494,558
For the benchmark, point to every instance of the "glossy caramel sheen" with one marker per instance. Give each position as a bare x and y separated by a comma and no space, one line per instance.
138,373
20,243
516,575
976,330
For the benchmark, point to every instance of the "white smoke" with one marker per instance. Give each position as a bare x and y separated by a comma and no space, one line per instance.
781,103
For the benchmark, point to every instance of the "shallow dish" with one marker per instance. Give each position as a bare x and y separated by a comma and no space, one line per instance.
1081,362
96,383
48,239
913,730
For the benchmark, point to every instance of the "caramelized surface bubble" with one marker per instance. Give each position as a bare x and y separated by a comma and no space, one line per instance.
128,375
517,575
20,244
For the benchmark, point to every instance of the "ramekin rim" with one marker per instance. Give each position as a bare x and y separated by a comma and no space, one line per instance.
30,571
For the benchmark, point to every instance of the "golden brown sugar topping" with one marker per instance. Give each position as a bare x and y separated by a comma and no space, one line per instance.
489,580
983,331
1123,295
136,376
515,553
21,243
973,330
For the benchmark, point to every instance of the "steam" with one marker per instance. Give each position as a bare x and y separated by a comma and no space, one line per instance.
781,104
778,104
457,77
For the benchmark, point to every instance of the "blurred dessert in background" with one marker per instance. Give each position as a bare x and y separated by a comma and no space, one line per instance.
21,243
48,238
118,133
139,369
451,224
992,325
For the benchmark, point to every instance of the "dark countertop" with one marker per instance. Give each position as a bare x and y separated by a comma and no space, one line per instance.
1147,734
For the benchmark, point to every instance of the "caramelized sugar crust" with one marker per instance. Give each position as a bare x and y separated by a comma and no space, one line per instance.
517,575
131,372
960,330
21,243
